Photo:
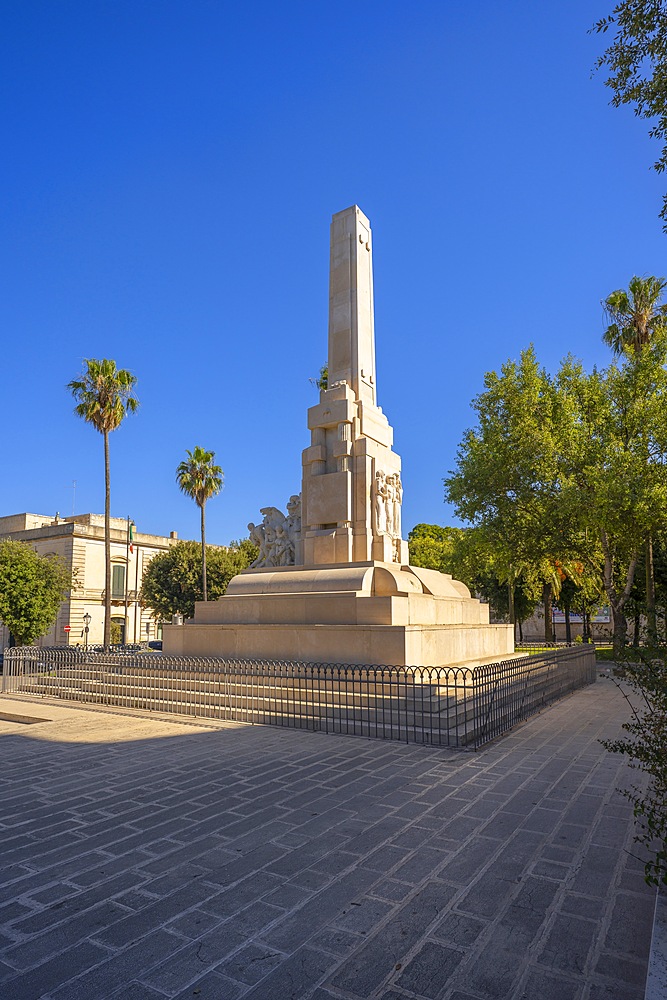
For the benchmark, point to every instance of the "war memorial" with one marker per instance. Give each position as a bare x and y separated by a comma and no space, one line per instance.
333,583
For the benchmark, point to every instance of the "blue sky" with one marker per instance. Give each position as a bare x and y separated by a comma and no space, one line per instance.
169,174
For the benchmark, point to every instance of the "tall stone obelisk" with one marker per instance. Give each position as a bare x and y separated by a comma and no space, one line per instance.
350,596
352,491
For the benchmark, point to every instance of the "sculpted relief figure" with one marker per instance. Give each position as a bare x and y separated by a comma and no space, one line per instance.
276,535
294,520
380,503
387,500
397,500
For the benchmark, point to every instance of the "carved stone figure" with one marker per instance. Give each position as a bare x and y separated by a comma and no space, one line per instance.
277,535
257,538
380,503
397,500
294,520
390,506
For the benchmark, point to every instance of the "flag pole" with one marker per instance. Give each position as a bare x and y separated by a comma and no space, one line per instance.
127,574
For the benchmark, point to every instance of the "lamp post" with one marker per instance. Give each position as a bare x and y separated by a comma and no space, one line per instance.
86,629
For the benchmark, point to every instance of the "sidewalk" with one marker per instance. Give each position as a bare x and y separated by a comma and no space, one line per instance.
145,859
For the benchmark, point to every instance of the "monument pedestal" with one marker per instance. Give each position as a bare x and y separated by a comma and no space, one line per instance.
358,613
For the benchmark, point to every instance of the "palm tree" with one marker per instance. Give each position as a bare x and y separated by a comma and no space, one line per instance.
104,396
638,318
200,479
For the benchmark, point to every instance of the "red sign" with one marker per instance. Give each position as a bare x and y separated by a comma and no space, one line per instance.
66,628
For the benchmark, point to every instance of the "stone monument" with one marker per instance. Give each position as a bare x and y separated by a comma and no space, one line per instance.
332,583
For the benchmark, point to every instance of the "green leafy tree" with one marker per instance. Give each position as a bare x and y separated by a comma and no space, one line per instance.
614,480
508,478
172,582
200,478
636,60
32,588
638,318
105,395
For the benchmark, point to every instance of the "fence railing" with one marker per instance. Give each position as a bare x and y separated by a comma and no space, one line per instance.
442,706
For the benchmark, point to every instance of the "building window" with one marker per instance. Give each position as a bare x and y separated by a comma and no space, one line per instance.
118,581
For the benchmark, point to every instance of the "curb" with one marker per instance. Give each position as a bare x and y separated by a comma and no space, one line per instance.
656,979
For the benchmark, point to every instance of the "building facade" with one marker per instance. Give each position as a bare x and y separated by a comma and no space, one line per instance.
79,542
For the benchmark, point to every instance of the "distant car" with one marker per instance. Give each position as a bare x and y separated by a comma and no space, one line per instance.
155,644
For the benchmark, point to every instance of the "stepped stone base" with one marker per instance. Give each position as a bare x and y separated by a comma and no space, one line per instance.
358,613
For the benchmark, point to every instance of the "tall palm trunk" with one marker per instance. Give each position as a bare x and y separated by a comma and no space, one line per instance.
107,544
650,594
548,612
203,550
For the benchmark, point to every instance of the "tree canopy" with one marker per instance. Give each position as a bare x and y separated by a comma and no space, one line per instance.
637,63
173,582
32,588
565,475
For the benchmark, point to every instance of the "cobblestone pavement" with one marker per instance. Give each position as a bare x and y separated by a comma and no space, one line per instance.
145,859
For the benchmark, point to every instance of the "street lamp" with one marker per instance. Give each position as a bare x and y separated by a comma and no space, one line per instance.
86,630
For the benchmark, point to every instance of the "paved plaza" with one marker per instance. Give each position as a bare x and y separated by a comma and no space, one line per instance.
144,859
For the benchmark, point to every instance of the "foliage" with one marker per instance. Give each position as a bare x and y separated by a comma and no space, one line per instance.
565,477
116,633
322,381
32,588
172,582
646,746
200,478
105,394
637,62
637,316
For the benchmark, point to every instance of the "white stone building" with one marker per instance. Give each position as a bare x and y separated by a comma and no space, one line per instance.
79,541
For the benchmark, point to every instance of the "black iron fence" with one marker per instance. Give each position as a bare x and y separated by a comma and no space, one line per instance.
442,706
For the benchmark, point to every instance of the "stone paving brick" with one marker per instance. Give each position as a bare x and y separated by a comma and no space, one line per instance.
630,928
318,911
621,968
193,924
569,943
251,964
137,991
496,969
295,977
49,975
133,926
194,959
596,872
209,987
429,971
391,889
459,929
539,985
369,967
99,982
614,991
336,941
361,915
62,935
230,901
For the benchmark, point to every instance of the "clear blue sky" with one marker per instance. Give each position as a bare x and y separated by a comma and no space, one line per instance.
168,177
